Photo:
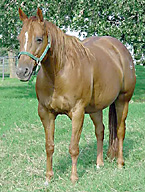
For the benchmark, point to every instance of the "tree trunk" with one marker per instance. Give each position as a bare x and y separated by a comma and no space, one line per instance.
12,64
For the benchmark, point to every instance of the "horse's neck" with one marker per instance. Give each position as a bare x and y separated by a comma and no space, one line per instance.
48,67
54,62
63,48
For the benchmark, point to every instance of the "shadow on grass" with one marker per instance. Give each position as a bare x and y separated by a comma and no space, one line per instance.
87,158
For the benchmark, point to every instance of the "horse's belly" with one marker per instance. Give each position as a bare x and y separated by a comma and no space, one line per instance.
103,96
100,104
91,109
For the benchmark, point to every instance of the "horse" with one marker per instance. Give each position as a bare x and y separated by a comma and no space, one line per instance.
77,77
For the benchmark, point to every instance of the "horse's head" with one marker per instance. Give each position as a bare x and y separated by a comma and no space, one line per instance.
33,40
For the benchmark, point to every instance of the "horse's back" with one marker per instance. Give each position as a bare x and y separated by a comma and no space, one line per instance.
114,61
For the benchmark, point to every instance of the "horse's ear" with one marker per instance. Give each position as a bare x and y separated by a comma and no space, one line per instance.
39,14
22,15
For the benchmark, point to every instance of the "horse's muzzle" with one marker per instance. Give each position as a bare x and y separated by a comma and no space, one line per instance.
24,74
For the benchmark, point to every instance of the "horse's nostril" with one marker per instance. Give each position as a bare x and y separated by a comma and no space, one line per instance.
26,71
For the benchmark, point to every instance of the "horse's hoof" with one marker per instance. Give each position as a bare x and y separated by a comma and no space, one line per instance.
49,176
74,178
48,180
46,183
121,166
121,163
98,166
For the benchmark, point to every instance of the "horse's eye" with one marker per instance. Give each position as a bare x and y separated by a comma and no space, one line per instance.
39,39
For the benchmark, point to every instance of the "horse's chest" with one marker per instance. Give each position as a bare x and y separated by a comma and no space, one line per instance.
57,103
60,103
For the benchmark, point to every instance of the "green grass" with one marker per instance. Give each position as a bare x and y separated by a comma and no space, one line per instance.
139,94
22,146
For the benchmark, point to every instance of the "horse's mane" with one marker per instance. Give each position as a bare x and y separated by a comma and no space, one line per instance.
65,47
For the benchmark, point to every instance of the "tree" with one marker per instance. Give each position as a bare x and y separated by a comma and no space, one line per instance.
122,19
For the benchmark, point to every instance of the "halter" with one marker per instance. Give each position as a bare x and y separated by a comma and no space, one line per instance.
37,59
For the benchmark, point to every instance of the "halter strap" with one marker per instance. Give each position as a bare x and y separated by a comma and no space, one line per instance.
37,59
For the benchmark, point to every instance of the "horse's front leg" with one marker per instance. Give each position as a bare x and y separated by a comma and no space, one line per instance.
48,120
77,123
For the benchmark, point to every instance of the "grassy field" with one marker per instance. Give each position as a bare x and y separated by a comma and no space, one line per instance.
22,146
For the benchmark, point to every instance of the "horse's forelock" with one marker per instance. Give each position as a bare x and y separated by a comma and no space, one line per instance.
33,18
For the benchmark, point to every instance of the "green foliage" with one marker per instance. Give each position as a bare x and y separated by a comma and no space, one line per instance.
122,19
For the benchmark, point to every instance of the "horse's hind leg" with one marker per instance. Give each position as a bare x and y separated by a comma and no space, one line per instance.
99,131
121,111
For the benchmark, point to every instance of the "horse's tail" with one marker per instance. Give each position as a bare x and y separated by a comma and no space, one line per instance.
113,142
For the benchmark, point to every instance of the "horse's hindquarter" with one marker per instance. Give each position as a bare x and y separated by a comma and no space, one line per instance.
113,70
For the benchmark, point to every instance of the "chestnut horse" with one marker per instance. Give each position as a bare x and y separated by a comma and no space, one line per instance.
76,78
